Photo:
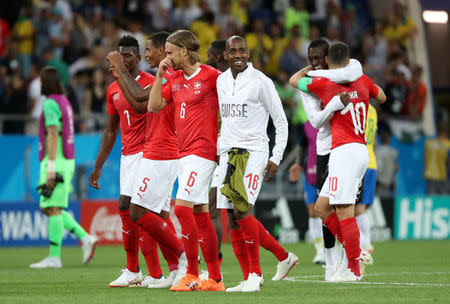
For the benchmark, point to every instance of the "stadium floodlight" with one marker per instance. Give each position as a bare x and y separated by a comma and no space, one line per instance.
435,16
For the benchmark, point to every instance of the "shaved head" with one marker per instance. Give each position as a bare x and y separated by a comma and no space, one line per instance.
232,38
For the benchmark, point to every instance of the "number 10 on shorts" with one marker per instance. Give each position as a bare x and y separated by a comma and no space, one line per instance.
332,184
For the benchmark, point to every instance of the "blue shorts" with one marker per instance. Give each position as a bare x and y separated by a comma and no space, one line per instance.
310,193
370,182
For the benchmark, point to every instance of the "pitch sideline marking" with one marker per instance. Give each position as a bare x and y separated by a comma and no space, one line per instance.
304,279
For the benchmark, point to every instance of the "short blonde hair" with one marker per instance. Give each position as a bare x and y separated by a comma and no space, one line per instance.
186,39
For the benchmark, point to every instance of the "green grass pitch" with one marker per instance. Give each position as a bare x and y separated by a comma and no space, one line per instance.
404,272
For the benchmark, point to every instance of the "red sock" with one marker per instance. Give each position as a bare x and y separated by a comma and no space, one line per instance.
189,236
240,251
332,223
158,229
149,249
250,235
268,242
130,235
350,236
208,243
169,255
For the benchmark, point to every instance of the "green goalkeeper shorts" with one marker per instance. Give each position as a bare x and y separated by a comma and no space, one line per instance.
60,195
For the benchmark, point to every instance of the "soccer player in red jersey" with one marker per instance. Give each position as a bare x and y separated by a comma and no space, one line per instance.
150,202
349,155
131,125
192,90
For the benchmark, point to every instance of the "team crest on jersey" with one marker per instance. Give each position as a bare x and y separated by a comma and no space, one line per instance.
116,96
197,87
176,88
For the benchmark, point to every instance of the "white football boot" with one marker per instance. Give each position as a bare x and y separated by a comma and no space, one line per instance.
346,276
127,278
48,262
253,283
365,259
89,242
285,266
237,288
182,269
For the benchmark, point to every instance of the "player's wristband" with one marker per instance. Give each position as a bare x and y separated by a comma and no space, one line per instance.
50,166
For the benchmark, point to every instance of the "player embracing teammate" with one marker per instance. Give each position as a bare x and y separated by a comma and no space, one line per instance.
348,158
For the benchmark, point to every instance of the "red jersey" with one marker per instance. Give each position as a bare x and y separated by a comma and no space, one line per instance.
349,124
161,138
132,124
196,111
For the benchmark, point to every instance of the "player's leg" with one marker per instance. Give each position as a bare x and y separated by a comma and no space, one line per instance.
360,210
150,205
52,207
194,178
314,222
216,218
55,233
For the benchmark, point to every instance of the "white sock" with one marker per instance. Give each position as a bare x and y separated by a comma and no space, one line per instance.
364,229
315,230
330,256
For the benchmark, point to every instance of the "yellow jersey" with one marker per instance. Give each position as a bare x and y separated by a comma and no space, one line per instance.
436,153
371,135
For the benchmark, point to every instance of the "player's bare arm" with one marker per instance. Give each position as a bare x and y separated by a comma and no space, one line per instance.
106,145
381,97
296,168
52,147
155,101
138,93
293,81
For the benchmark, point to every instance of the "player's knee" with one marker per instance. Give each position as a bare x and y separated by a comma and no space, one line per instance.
164,214
124,202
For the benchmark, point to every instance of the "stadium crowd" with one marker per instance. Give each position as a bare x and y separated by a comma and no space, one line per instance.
75,37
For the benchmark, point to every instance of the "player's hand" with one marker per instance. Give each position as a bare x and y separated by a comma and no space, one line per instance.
50,182
345,98
113,70
94,177
270,170
164,65
115,59
294,172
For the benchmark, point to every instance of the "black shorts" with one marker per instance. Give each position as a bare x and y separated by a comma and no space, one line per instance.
322,174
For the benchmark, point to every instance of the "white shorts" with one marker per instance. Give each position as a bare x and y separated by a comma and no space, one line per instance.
129,165
347,166
154,183
253,177
215,178
194,177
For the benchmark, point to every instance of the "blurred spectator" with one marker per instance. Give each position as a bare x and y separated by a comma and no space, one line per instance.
332,34
228,24
239,8
159,11
259,44
399,27
95,58
76,90
387,165
352,32
64,7
206,32
279,44
59,64
397,75
94,101
42,25
437,161
35,99
374,47
79,34
185,14
94,27
4,36
23,33
291,61
58,32
415,100
297,15
16,104
110,36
